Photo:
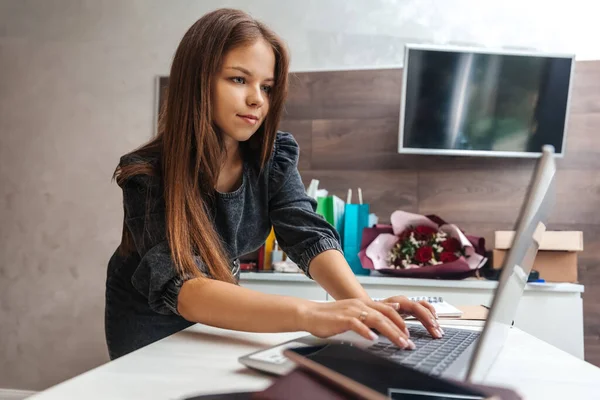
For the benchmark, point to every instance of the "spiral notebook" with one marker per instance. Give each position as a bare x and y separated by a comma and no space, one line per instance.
442,308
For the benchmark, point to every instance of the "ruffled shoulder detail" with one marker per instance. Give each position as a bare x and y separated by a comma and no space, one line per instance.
146,173
284,161
131,159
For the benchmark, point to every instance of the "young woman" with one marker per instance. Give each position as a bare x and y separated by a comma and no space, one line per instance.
209,188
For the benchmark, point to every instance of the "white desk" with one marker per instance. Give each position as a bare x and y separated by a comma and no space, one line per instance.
202,360
541,306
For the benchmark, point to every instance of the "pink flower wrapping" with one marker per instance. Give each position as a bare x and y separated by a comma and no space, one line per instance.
378,249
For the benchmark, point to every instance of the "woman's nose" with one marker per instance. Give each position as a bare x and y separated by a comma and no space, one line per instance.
255,98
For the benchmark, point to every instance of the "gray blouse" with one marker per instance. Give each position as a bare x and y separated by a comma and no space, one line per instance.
242,218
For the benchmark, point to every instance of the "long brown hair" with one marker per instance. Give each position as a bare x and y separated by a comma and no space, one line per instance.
191,148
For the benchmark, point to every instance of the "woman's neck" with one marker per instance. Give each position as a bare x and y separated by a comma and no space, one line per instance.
232,151
230,176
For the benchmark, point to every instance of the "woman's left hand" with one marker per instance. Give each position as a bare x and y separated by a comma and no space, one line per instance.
421,310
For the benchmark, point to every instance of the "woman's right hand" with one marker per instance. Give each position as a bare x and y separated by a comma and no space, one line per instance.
327,319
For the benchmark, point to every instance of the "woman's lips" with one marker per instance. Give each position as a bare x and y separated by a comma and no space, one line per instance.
249,120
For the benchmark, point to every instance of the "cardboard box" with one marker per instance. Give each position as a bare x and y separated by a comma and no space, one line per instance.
556,260
551,240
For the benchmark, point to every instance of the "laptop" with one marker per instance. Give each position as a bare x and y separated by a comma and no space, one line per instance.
463,353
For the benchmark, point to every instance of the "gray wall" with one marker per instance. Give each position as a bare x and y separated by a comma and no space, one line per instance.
77,91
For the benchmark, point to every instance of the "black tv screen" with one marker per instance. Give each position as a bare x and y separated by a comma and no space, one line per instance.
483,103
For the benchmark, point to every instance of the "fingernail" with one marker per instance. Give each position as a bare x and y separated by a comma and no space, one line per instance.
411,345
407,332
403,342
439,332
396,306
373,335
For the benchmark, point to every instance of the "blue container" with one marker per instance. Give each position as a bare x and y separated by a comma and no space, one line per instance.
356,218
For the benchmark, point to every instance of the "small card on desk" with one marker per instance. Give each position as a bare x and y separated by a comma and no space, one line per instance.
474,313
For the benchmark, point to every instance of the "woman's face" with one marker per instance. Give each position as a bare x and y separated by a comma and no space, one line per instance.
241,90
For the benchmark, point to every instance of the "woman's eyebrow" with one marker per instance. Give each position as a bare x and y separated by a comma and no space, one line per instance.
245,71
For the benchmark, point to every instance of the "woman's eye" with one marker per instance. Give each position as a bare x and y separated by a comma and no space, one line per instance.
242,80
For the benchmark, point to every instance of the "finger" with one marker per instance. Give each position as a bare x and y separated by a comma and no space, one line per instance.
424,315
430,307
390,310
362,329
377,320
397,299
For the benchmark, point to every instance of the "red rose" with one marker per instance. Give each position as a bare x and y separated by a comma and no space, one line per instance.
424,254
405,234
451,245
448,256
424,232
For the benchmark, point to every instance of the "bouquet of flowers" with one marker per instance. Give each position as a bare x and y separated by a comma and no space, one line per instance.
421,246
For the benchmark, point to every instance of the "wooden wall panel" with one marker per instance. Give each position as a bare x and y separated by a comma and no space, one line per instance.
356,144
491,196
577,197
586,86
343,95
302,131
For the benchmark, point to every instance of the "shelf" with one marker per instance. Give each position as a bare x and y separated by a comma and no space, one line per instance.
380,279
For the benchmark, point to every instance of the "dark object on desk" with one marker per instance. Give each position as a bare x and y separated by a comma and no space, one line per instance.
534,276
303,385
297,385
371,376
489,273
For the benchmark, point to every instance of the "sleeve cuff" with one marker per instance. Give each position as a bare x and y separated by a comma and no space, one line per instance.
171,294
316,249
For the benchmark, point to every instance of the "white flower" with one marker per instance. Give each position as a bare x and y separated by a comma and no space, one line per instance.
440,237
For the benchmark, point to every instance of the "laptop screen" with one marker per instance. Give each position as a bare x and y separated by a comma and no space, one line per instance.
517,266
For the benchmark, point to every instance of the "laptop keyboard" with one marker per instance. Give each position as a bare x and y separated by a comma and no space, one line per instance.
432,356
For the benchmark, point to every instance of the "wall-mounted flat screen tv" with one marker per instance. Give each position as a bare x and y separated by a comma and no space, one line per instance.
479,102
